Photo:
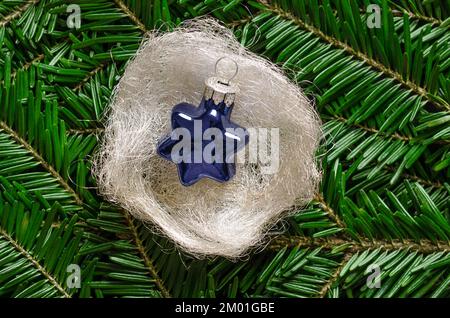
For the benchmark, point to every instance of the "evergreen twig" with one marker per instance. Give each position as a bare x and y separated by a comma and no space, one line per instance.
422,246
148,263
326,287
41,161
131,15
17,13
35,263
417,89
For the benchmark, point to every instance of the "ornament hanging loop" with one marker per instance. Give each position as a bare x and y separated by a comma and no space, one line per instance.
236,69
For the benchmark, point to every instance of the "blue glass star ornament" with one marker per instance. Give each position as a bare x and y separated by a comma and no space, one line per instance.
204,141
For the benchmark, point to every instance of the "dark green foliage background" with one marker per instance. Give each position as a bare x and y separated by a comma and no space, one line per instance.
382,93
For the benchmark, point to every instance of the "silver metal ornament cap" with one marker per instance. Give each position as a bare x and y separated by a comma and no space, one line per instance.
220,89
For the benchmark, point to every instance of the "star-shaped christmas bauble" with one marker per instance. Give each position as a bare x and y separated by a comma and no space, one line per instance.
204,141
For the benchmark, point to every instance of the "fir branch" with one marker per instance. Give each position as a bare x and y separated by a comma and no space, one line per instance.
35,263
131,15
86,131
90,75
17,13
323,292
26,66
414,16
434,184
417,89
333,215
41,161
374,130
147,261
431,20
383,134
401,11
424,246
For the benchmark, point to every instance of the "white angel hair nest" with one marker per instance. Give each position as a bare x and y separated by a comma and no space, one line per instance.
207,218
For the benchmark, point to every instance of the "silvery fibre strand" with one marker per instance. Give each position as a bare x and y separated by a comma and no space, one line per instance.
208,218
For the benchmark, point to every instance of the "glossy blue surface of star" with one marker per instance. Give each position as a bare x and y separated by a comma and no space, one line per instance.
203,142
